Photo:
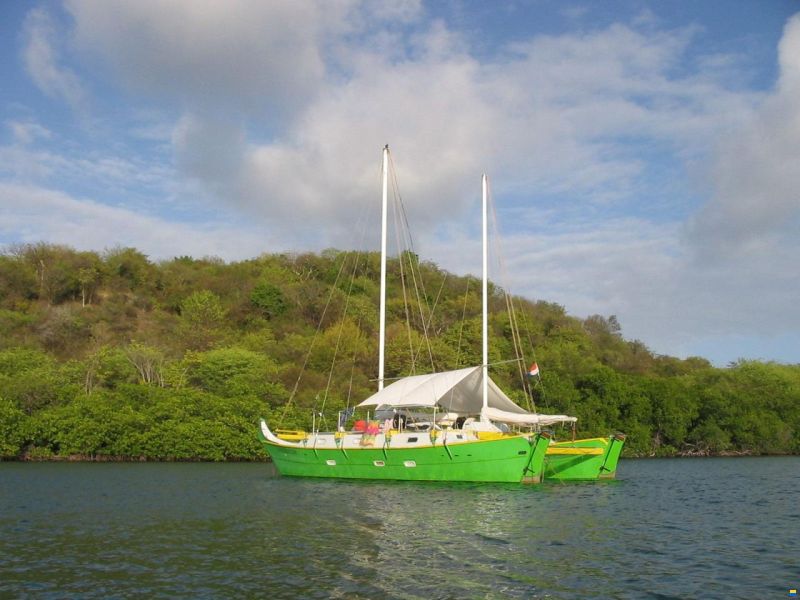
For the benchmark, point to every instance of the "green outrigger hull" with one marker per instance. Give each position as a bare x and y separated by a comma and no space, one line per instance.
509,459
584,460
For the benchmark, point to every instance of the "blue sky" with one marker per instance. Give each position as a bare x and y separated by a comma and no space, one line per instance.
644,156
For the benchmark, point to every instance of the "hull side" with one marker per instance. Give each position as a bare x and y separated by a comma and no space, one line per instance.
534,473
505,460
609,468
584,460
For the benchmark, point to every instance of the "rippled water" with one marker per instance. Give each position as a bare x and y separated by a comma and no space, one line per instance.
693,528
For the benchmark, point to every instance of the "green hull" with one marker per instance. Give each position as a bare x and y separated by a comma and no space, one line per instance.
509,459
565,461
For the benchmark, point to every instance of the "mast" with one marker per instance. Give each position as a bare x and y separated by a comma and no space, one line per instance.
384,210
485,289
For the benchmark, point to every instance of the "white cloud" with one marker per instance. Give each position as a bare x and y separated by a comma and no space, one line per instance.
257,57
547,118
43,64
628,267
33,214
27,132
22,162
755,208
544,115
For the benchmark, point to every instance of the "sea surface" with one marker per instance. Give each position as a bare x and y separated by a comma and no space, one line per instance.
671,528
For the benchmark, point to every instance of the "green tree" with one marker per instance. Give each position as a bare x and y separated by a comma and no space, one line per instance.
11,429
202,320
269,299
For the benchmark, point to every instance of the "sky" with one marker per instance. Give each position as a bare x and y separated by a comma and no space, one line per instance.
644,157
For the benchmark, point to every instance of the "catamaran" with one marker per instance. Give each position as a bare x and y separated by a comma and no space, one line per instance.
454,425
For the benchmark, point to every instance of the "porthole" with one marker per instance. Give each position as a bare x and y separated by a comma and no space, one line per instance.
409,463
412,439
378,463
330,463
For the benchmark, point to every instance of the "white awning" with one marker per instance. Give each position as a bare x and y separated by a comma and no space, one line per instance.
459,392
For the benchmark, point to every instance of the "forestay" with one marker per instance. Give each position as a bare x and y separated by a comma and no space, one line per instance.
460,392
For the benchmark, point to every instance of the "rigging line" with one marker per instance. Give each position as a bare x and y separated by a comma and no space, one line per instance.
433,309
357,256
458,346
517,342
313,340
461,328
341,329
420,298
407,231
353,367
404,248
539,379
526,384
363,219
505,362
399,245
515,336
411,356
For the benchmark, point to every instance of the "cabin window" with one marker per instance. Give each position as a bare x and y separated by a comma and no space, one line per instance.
459,437
412,439
330,463
378,463
409,463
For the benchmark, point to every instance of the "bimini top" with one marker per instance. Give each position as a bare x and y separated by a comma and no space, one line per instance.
458,392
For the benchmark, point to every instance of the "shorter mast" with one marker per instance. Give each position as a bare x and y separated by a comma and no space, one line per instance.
485,289
384,211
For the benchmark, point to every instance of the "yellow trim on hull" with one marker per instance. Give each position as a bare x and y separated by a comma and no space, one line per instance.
604,441
582,451
291,435
491,435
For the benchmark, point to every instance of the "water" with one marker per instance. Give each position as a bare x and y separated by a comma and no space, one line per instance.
693,528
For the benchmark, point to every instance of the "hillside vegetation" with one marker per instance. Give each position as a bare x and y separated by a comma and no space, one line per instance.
113,355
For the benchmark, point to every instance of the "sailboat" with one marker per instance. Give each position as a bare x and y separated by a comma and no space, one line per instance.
445,426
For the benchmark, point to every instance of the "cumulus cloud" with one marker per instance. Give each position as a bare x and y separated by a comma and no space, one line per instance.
543,114
755,206
257,57
546,119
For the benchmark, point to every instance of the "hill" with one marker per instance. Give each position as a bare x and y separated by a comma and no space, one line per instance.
111,355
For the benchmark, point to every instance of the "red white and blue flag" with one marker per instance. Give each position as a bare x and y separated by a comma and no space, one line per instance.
534,370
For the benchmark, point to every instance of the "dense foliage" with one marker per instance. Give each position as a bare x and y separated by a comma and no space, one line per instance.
113,355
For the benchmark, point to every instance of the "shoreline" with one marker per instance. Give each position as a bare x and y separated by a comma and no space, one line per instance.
102,458
78,458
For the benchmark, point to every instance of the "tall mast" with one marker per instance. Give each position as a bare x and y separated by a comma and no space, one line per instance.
384,210
485,289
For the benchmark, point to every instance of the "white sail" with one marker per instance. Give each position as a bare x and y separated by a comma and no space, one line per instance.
461,392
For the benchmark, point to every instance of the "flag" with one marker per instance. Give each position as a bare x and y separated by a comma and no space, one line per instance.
534,370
